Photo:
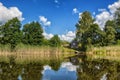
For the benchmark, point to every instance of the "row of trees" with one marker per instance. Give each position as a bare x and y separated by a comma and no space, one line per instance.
31,34
89,34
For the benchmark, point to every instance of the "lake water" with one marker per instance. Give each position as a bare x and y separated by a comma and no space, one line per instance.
89,70
67,71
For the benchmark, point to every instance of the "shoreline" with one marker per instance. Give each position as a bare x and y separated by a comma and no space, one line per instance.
45,54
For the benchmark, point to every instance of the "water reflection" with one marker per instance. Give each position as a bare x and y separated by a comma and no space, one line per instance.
67,71
100,69
19,77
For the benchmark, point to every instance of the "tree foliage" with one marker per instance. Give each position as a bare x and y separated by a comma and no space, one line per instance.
11,33
32,34
83,24
55,41
110,33
117,23
87,33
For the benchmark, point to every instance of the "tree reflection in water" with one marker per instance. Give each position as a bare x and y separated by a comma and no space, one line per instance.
100,69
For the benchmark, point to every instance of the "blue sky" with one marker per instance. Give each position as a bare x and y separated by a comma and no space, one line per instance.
59,15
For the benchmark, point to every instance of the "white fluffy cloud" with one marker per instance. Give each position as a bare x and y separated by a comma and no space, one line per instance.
80,15
44,21
114,6
47,36
102,18
69,36
75,10
9,13
106,15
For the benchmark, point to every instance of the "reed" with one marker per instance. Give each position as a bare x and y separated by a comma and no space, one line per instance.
108,52
27,54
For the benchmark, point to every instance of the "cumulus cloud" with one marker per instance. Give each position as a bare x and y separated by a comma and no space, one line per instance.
80,15
47,36
9,13
75,10
69,36
44,21
102,18
106,15
113,7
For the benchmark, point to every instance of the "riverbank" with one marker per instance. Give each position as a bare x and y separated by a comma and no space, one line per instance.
27,54
108,52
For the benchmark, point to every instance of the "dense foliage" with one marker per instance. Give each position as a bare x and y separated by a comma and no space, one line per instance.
89,34
11,33
31,34
117,23
55,41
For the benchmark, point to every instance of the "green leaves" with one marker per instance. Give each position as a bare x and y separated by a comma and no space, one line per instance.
117,23
55,41
32,34
87,32
110,33
11,33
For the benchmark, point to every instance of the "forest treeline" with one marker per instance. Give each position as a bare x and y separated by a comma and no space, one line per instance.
88,33
12,33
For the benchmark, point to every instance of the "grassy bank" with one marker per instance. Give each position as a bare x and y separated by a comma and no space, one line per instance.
45,54
26,54
109,52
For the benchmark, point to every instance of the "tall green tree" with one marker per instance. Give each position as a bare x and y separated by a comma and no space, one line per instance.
110,33
55,41
117,23
11,33
94,35
32,33
83,26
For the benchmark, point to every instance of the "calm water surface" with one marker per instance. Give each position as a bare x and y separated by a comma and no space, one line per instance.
67,71
89,70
